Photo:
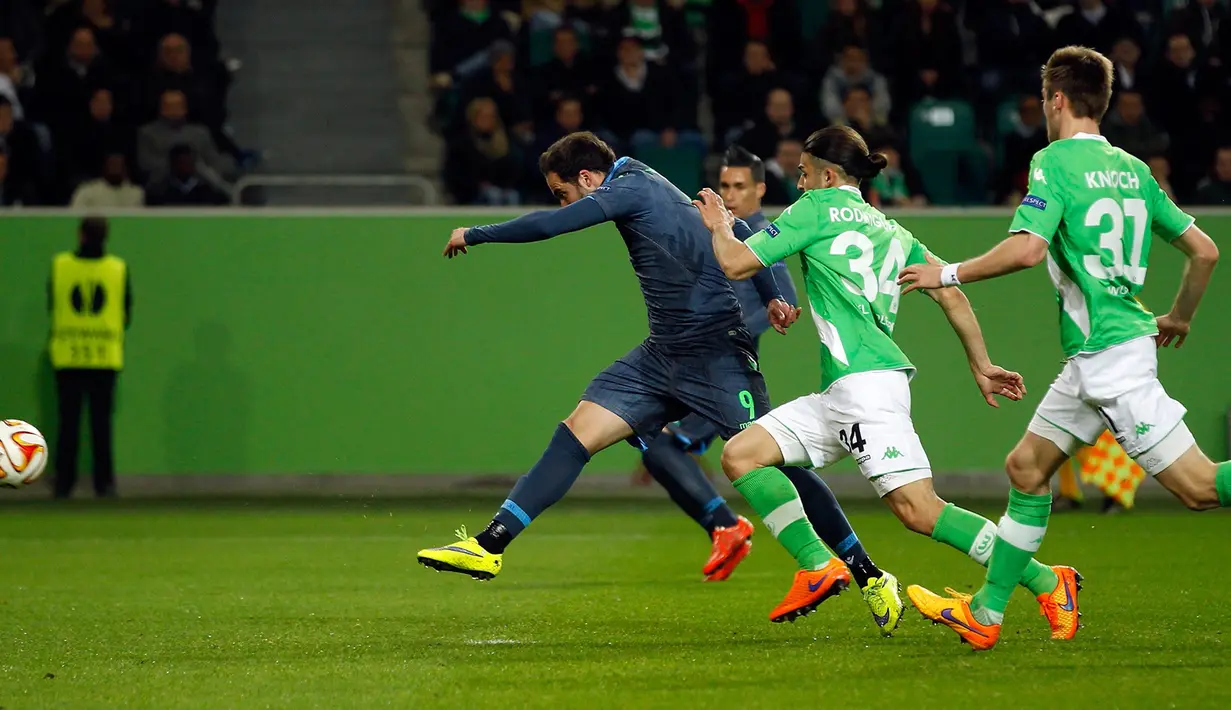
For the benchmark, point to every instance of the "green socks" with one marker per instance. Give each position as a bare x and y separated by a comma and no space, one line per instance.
974,535
772,496
1222,482
1018,537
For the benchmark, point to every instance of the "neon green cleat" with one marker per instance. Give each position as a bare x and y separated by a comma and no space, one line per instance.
883,597
466,557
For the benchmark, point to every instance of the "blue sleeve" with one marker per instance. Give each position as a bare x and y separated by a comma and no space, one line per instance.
763,280
786,285
537,226
620,197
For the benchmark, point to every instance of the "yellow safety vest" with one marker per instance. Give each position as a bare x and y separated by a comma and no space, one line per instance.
87,312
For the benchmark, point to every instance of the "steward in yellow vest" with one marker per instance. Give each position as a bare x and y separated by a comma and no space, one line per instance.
91,306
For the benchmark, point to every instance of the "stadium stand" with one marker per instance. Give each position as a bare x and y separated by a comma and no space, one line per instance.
82,81
950,84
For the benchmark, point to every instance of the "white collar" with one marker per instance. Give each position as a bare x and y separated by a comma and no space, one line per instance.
851,188
1080,135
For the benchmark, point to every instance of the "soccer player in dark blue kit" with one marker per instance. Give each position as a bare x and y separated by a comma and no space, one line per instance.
698,358
669,457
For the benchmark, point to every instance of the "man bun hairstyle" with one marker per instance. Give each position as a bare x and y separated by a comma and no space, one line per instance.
845,148
575,152
1084,76
738,156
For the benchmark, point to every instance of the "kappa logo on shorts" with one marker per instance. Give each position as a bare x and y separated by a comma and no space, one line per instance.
892,453
1036,202
772,231
1143,428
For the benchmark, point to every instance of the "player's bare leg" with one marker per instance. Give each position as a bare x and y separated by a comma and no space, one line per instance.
1196,480
755,448
976,619
921,510
588,430
750,460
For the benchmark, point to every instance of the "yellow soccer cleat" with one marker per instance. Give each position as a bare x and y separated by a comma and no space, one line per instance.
1060,607
465,557
883,597
954,611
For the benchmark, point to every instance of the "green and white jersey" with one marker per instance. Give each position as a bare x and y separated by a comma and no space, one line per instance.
851,255
1093,203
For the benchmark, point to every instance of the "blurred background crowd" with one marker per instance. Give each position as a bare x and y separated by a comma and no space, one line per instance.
127,102
113,103
949,90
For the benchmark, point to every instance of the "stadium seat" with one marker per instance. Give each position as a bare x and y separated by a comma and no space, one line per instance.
681,165
812,16
1005,112
943,147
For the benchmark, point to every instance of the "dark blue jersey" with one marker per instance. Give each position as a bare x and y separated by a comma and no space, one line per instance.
689,301
752,298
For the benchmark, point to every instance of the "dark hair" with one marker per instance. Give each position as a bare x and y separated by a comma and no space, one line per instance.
1084,76
94,230
575,152
845,148
740,157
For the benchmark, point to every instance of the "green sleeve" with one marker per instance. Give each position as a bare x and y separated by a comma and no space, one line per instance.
918,254
1168,221
1043,206
793,231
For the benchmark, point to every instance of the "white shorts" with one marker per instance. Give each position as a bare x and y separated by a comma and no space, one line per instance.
866,415
1116,389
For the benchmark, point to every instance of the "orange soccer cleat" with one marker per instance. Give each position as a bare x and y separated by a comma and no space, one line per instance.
731,546
810,588
1060,606
954,611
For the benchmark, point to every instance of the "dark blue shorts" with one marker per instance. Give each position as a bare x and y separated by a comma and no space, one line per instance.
694,432
649,388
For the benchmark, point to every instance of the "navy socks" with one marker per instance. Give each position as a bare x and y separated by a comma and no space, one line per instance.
545,484
830,522
680,475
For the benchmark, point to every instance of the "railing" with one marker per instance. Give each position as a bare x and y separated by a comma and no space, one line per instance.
430,196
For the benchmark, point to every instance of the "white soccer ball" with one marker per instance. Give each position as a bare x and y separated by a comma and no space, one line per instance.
23,453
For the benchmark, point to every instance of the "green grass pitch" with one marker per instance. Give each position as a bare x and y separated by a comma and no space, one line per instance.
601,605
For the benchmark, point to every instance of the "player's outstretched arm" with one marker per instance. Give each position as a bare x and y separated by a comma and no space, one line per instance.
992,379
531,227
1202,256
1021,250
736,259
779,305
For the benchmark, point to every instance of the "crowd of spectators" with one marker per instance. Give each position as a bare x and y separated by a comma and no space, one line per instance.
511,76
113,103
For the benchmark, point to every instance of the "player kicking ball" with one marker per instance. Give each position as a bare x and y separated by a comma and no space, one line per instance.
698,359
1087,213
851,257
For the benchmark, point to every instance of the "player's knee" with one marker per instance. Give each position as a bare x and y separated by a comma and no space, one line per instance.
1024,471
918,513
739,456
